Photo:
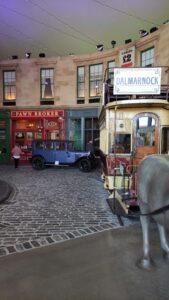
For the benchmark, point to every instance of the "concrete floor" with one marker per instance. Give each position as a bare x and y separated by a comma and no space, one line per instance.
96,267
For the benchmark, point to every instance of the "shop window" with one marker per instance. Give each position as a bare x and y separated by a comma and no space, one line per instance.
147,58
9,84
75,133
81,83
122,144
19,138
29,136
47,85
96,80
91,131
38,135
145,131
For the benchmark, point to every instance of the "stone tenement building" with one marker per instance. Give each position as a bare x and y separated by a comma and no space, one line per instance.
59,97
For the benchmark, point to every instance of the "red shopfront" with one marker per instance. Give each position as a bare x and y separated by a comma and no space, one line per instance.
28,125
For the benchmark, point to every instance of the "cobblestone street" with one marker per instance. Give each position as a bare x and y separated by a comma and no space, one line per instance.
51,206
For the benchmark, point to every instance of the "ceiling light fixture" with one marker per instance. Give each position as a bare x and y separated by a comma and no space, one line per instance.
42,55
113,43
14,56
128,41
28,54
153,29
100,47
143,32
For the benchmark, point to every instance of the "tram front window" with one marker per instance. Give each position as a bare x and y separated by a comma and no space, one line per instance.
145,132
122,144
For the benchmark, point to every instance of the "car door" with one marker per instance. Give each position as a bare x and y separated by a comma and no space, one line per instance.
49,152
70,153
60,153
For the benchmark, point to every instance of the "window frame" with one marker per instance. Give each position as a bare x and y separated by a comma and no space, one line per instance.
108,70
100,81
5,100
141,60
42,84
80,82
90,132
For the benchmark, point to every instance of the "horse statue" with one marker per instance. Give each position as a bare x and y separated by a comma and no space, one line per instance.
153,197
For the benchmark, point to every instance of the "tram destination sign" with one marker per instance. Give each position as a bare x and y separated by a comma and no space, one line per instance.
133,81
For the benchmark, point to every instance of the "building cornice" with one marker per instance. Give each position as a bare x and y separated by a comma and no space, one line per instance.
142,42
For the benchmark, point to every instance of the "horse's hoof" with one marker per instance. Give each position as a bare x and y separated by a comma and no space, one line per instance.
145,263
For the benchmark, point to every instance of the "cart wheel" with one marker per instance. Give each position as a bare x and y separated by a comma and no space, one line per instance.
38,163
85,165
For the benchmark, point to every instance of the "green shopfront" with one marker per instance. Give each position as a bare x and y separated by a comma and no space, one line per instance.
4,136
82,127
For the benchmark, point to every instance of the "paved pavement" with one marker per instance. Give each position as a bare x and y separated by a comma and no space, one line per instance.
5,190
101,266
52,206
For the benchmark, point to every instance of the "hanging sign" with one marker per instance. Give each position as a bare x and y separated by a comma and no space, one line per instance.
139,81
16,114
127,57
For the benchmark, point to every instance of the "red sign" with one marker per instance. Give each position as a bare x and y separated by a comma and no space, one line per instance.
127,57
21,114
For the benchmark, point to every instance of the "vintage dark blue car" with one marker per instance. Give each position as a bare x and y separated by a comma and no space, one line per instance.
59,152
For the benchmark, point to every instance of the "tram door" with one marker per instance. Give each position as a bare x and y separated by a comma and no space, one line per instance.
145,136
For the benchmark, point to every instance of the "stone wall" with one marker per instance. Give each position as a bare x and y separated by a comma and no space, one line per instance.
28,71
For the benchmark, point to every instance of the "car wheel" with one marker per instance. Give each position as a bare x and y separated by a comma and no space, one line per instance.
85,165
38,163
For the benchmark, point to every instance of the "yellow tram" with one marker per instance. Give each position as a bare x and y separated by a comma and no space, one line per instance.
132,126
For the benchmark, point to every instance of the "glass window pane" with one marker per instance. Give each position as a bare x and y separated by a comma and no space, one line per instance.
88,123
96,80
145,132
9,85
147,57
80,82
47,83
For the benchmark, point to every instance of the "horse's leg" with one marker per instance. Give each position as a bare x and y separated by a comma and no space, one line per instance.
163,239
146,260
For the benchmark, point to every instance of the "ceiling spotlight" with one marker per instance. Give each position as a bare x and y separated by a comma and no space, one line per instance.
143,33
28,54
153,29
100,47
113,43
128,41
42,55
14,56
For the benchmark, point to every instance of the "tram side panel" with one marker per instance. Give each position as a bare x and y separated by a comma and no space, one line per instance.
148,133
